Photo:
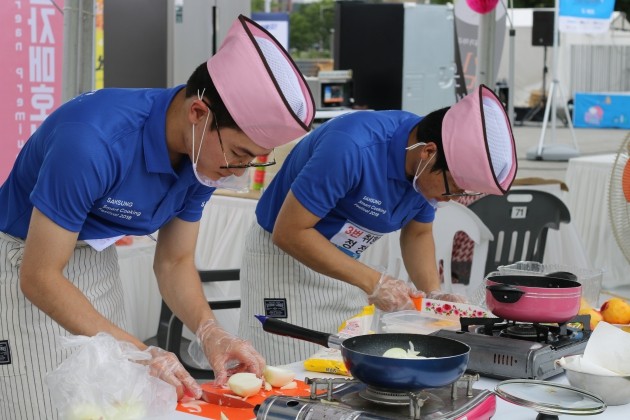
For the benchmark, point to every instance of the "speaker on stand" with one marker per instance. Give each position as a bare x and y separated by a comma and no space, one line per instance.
542,36
553,150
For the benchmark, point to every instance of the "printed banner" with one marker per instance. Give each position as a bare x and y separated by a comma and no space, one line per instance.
467,27
277,24
585,16
31,42
602,110
99,46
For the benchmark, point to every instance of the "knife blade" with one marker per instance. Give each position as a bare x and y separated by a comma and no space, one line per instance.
225,400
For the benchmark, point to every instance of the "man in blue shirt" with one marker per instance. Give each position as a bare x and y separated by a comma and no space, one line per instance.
352,180
129,162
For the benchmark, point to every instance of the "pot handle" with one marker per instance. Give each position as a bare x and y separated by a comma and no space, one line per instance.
504,293
275,326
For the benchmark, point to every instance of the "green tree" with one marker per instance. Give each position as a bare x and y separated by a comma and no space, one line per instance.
258,6
310,28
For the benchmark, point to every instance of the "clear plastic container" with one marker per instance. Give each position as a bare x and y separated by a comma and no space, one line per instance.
590,279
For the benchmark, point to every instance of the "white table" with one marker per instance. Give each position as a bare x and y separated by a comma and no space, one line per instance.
224,223
588,179
505,410
142,297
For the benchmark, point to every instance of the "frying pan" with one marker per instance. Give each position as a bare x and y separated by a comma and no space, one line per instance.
533,298
446,361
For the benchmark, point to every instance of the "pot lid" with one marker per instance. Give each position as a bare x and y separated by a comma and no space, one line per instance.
550,398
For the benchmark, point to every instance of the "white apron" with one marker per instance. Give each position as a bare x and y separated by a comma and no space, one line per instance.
29,345
275,284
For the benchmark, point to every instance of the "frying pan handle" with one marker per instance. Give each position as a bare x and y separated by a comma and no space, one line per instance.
275,326
504,293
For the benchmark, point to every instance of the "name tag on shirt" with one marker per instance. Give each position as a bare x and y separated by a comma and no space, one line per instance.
101,244
354,239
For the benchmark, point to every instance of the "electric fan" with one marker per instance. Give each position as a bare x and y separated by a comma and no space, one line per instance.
619,198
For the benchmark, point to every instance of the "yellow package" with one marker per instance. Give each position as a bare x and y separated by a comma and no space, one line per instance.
329,360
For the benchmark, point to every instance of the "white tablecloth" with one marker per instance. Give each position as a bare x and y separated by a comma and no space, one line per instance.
505,410
142,297
588,179
222,231
563,247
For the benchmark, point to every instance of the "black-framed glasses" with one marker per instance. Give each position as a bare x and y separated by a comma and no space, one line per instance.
253,164
448,192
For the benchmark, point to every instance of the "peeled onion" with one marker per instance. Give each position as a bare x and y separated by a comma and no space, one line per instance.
399,353
85,411
290,385
245,384
396,353
278,377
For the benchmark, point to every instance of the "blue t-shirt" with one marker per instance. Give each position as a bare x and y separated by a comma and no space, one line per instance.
99,166
350,172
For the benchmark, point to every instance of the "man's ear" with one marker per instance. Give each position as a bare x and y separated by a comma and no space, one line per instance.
198,111
429,150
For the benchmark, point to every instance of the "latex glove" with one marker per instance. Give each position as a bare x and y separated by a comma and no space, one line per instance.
392,294
450,297
226,353
166,366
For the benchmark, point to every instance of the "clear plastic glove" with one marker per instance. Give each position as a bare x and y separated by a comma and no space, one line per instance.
450,297
226,353
166,366
392,294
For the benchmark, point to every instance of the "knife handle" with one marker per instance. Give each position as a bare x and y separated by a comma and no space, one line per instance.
275,326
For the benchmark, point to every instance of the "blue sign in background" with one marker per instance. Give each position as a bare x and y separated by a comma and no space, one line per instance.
594,9
601,110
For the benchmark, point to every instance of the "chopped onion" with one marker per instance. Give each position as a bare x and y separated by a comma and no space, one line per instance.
290,385
400,353
85,411
278,377
245,384
396,353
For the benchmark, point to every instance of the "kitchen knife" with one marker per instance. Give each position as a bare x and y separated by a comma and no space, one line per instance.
225,400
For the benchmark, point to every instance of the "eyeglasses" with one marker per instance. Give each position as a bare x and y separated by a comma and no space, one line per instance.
454,195
240,165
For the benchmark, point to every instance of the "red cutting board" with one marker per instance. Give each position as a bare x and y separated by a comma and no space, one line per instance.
213,411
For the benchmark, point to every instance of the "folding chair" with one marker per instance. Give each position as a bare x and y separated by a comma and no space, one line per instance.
519,221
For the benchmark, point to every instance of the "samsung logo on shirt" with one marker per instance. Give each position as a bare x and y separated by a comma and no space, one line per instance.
372,200
122,203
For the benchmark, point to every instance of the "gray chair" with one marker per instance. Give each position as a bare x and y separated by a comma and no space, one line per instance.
519,222
169,334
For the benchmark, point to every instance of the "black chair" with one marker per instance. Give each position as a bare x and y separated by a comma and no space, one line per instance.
169,334
519,221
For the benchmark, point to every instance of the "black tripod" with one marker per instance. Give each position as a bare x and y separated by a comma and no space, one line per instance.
540,106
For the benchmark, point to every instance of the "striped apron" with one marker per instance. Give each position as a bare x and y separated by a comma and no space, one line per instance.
275,284
29,339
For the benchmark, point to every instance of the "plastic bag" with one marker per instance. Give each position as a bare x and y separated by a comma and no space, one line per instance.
330,360
101,381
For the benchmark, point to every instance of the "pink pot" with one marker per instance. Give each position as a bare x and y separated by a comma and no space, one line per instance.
533,298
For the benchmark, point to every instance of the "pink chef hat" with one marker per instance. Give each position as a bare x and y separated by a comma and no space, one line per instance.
478,143
261,86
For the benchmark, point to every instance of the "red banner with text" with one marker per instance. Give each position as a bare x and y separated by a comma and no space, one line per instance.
31,42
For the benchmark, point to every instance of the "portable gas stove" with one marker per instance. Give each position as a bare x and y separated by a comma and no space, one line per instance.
513,350
349,399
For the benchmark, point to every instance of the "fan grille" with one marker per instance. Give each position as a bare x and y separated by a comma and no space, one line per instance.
619,198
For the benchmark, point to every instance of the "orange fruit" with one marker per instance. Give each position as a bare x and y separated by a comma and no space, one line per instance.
596,316
616,311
